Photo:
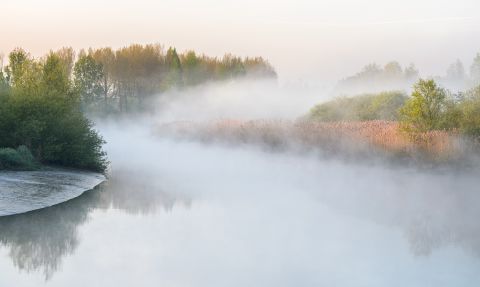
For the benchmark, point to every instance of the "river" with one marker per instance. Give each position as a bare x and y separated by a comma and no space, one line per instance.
189,214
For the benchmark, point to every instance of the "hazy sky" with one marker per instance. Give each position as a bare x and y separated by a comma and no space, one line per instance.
316,41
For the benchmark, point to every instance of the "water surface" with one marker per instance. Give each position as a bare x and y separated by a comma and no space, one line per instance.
196,215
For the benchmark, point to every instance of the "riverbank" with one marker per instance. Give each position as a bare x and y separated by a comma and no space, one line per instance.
24,191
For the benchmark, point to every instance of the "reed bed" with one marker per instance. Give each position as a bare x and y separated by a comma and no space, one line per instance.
347,138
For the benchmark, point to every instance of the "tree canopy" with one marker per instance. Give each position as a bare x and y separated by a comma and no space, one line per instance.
41,111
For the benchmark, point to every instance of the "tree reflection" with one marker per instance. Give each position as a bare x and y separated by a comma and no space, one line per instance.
39,240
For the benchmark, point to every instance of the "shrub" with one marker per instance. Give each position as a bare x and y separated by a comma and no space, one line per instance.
381,106
470,113
42,111
19,159
425,110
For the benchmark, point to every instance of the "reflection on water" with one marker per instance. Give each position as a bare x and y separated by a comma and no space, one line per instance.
38,240
254,220
433,209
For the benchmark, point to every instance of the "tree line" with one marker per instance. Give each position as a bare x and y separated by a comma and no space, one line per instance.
112,81
374,78
428,107
43,101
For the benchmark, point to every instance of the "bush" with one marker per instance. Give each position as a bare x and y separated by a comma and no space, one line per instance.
19,159
426,108
381,106
470,113
42,111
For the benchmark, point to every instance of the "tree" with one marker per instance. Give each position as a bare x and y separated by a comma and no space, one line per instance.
174,77
411,73
455,77
191,65
67,57
456,71
4,86
88,79
18,60
105,57
42,112
393,70
55,76
475,70
470,109
425,109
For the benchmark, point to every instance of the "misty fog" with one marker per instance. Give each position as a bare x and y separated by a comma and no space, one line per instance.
240,215
240,143
188,212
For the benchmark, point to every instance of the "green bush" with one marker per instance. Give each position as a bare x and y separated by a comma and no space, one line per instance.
470,113
381,106
41,111
427,107
19,159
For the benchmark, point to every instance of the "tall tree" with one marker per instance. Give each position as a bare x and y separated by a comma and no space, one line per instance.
174,77
106,57
88,79
18,60
67,57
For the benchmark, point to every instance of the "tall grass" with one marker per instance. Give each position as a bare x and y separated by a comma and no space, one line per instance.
345,138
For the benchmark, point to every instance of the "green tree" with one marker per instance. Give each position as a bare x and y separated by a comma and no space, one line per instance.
470,113
18,61
174,77
42,112
425,109
191,68
67,57
88,80
55,76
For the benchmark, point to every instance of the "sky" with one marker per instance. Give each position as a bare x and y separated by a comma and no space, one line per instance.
312,42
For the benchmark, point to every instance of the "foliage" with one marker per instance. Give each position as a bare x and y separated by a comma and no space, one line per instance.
123,80
19,159
425,110
42,112
469,109
381,106
88,75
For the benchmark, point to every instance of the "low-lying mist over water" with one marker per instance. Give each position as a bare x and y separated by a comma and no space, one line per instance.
186,213
245,99
242,143
208,213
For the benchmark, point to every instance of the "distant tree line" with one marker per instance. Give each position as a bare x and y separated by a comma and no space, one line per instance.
457,78
374,78
122,80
